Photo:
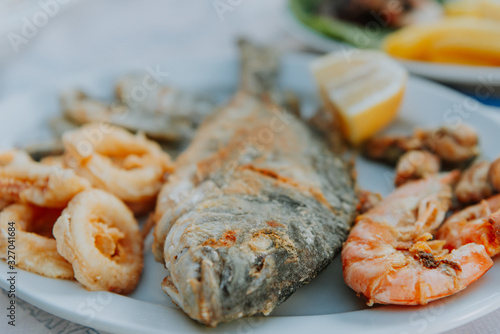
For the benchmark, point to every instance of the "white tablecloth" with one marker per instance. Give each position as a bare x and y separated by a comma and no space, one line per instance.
90,35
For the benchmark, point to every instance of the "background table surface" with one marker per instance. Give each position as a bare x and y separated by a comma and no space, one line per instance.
93,35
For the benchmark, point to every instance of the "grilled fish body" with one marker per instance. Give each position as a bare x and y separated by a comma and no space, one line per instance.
257,207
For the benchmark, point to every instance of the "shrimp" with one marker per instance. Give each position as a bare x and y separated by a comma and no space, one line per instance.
479,224
35,247
415,165
455,146
100,237
131,167
474,185
389,149
26,181
390,256
494,175
367,200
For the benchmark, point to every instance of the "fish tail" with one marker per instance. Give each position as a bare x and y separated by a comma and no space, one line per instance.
259,69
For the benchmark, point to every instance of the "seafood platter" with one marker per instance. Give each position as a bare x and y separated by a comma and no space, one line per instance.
287,192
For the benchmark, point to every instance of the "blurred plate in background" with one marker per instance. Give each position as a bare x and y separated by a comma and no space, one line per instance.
451,74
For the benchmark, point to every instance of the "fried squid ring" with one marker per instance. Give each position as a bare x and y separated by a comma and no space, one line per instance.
26,181
4,203
54,160
33,246
129,166
99,236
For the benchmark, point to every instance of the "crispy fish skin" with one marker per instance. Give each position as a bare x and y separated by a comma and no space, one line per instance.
258,206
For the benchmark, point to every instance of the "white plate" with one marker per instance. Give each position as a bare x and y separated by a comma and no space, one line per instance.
482,76
324,304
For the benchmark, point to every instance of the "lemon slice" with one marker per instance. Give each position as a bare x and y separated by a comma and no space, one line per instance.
457,40
463,7
476,8
363,90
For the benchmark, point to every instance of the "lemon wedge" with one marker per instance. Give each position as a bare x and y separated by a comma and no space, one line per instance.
476,8
457,40
363,90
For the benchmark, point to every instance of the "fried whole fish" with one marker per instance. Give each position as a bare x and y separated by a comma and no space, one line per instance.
257,207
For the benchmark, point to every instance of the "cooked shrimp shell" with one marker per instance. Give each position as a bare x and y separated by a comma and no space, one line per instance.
35,247
478,224
391,258
494,175
414,165
474,184
129,166
100,237
456,145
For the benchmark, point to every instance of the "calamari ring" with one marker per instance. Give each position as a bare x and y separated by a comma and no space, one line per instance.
129,166
26,181
4,203
54,160
35,247
99,236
